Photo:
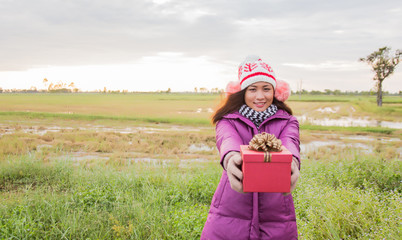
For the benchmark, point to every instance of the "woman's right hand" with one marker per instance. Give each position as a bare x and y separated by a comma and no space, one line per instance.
232,165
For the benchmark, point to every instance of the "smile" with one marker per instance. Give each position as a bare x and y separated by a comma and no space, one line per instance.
260,104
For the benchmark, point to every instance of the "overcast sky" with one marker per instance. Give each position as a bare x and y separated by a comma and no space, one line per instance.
148,45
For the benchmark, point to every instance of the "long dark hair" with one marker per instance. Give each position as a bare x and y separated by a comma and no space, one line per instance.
234,101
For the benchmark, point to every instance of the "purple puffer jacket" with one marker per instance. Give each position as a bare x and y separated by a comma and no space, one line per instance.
237,216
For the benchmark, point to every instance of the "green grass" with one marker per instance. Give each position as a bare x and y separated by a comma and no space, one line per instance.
389,108
344,98
349,195
89,117
380,130
354,198
177,108
320,98
184,121
103,202
342,193
138,106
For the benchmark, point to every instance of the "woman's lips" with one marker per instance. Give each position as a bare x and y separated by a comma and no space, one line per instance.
259,105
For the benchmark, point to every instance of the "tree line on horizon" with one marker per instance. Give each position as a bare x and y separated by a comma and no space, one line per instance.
383,65
328,92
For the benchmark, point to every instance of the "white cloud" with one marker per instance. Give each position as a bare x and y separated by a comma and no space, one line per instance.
328,66
339,31
395,10
160,2
298,36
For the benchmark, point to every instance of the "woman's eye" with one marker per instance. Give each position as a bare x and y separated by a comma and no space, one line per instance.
252,89
267,89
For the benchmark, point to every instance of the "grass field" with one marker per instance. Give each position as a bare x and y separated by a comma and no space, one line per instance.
144,166
182,108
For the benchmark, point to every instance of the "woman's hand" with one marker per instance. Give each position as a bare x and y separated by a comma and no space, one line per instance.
295,175
232,164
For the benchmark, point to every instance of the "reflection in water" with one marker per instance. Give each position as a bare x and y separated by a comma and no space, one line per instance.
349,122
314,145
40,130
200,148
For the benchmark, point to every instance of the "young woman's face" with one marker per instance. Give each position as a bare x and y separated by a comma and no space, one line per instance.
259,96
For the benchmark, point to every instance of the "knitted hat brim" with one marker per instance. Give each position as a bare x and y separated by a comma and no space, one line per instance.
258,77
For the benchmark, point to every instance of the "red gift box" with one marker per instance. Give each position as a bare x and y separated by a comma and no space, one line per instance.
266,171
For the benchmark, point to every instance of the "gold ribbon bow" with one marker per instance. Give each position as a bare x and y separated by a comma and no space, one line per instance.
267,143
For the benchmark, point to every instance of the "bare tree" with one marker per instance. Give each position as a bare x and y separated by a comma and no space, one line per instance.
383,66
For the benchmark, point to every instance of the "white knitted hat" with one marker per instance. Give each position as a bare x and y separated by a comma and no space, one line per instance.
253,70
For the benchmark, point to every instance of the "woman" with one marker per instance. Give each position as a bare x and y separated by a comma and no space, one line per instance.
258,107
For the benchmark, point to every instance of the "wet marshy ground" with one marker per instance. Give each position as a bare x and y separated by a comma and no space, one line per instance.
159,144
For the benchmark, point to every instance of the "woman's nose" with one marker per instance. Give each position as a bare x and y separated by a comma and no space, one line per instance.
260,94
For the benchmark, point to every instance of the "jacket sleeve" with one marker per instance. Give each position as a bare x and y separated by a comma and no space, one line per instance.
227,138
290,138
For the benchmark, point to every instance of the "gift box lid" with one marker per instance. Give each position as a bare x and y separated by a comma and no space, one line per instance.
258,156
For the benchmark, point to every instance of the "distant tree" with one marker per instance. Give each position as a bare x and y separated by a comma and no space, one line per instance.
59,86
215,90
45,81
50,87
383,65
314,92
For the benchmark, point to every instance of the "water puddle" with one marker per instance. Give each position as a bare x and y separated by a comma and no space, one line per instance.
39,147
314,145
311,146
40,130
6,130
187,163
370,138
199,110
150,161
200,148
77,157
328,110
349,122
82,156
362,142
183,163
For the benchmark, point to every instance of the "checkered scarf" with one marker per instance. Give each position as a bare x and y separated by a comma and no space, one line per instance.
257,117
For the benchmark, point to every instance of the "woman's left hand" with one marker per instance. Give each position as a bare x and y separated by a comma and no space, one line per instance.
295,175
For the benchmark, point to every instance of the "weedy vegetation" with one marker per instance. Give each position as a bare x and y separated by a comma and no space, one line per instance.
120,171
